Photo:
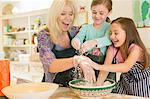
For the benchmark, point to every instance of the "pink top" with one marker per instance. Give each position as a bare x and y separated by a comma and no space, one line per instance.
119,57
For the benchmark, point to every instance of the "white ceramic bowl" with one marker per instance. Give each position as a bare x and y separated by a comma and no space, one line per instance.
90,91
30,90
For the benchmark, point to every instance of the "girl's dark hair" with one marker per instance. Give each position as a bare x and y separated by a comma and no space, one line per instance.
107,3
132,36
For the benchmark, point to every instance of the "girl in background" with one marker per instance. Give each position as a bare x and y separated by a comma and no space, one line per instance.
93,38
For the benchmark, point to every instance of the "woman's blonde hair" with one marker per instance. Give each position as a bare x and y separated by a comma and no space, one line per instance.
54,12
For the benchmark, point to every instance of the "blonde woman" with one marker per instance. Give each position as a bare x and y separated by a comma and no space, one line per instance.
56,52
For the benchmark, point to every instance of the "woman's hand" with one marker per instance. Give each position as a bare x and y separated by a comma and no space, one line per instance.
88,71
87,45
76,44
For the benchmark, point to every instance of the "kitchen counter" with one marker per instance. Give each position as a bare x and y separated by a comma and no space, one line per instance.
66,93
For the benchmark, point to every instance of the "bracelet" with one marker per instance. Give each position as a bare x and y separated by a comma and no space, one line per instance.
75,63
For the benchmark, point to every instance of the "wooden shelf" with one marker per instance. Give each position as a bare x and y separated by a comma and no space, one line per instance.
143,27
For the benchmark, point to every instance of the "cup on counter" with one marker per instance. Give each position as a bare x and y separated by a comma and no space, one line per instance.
4,74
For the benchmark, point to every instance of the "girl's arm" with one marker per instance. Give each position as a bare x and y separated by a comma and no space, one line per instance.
121,67
104,41
76,43
82,33
103,74
79,38
98,42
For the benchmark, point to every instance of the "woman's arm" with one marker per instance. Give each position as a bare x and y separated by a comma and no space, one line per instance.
59,65
47,57
45,46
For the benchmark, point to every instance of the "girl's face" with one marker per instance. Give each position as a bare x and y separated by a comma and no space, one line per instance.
65,19
118,35
99,14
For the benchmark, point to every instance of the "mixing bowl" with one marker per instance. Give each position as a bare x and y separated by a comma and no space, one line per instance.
30,90
85,90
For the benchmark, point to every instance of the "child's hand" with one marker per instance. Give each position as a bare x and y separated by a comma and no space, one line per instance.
87,45
75,44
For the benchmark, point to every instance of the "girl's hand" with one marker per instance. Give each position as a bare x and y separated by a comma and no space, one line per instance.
87,45
76,44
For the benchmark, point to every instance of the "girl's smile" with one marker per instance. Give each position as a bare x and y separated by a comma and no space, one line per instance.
118,35
99,14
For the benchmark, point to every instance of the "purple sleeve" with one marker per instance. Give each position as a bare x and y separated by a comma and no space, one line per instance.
74,30
45,46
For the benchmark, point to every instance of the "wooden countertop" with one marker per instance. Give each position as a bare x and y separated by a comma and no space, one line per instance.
66,93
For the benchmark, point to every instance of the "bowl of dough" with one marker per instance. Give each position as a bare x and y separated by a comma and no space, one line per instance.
84,89
40,90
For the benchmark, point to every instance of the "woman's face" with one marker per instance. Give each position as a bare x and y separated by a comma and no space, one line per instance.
65,19
99,14
118,35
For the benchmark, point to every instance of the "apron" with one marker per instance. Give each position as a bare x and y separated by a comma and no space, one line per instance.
135,82
64,77
112,75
